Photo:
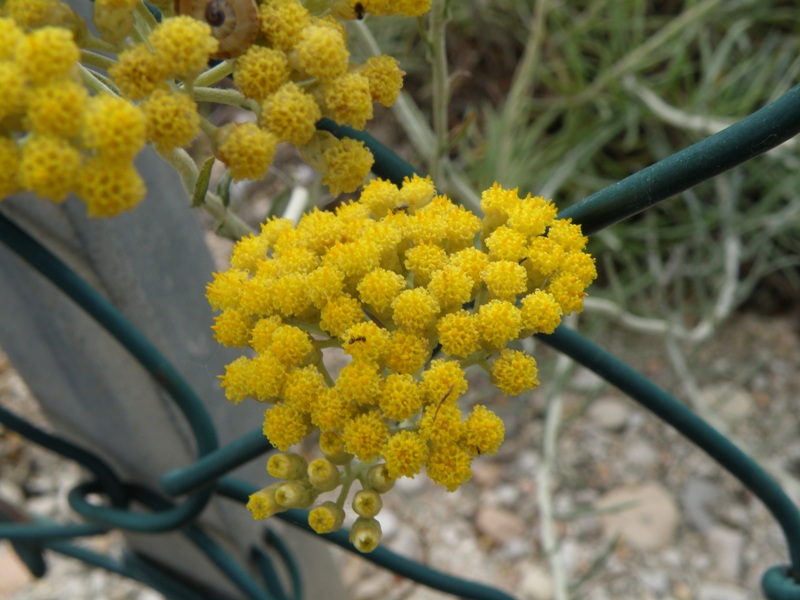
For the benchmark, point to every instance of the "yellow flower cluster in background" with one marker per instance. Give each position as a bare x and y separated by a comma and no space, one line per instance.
73,120
396,281
55,137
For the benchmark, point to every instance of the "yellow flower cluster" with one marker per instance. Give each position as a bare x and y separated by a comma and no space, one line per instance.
54,137
397,282
292,68
68,128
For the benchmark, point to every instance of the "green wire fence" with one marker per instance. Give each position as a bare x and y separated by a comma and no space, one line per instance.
207,477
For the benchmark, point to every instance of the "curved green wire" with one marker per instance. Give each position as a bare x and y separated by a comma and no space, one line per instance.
753,135
102,311
102,471
213,465
669,409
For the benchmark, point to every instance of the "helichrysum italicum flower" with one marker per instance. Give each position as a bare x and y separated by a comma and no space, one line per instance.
397,290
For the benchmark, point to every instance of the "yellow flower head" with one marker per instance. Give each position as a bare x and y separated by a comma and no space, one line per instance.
261,71
380,287
115,128
416,309
514,372
449,466
322,53
49,167
483,432
498,322
247,150
360,382
291,114
139,72
458,334
347,164
172,120
405,454
384,77
183,46
47,54
505,279
285,426
348,100
57,109
365,436
109,187
283,21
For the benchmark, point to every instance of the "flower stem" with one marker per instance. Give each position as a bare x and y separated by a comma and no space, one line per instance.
441,87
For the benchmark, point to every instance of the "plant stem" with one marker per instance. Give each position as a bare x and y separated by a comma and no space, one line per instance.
215,74
441,88
521,85
227,221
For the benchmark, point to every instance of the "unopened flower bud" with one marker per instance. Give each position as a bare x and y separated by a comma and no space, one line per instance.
263,504
379,480
367,503
326,517
323,475
295,494
332,447
287,466
365,534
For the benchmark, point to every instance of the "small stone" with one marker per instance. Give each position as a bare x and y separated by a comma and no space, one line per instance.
732,405
15,574
609,413
697,501
515,549
585,380
406,542
487,473
716,591
640,454
499,525
647,523
535,583
725,546
656,582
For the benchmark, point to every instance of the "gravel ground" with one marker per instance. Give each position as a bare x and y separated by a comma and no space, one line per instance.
638,512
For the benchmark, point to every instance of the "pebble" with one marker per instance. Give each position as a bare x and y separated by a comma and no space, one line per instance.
500,525
697,499
731,404
535,583
656,582
650,520
609,413
725,546
486,473
406,542
15,574
641,456
715,591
